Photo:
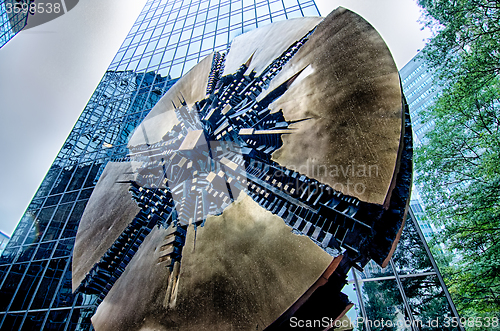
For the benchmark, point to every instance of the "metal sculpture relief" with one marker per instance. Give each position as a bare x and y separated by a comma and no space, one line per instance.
254,185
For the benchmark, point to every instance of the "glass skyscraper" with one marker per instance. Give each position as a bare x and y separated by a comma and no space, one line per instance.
421,91
13,18
168,38
4,239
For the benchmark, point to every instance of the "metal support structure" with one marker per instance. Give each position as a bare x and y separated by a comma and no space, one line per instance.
360,300
436,269
406,304
413,323
423,274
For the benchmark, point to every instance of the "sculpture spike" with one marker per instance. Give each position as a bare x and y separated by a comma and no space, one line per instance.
247,64
183,101
294,77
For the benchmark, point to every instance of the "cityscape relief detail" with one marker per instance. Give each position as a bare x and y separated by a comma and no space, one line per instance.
254,185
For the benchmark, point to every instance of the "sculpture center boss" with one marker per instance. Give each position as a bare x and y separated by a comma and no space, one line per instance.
254,185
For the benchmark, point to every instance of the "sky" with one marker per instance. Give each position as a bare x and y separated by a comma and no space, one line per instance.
49,72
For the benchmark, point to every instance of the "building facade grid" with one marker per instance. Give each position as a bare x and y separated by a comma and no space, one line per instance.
13,18
421,90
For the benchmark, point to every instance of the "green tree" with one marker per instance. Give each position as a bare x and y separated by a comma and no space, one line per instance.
459,164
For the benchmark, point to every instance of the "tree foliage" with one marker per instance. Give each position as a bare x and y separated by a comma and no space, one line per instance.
459,165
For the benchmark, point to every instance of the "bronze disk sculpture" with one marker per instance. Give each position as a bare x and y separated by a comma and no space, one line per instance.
254,185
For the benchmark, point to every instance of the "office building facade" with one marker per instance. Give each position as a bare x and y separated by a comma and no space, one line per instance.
4,239
168,38
13,18
420,89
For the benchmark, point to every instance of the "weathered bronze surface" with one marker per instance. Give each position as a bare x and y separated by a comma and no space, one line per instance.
351,95
240,271
191,87
259,179
107,214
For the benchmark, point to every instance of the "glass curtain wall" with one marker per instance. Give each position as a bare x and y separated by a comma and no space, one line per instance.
419,87
13,18
168,38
